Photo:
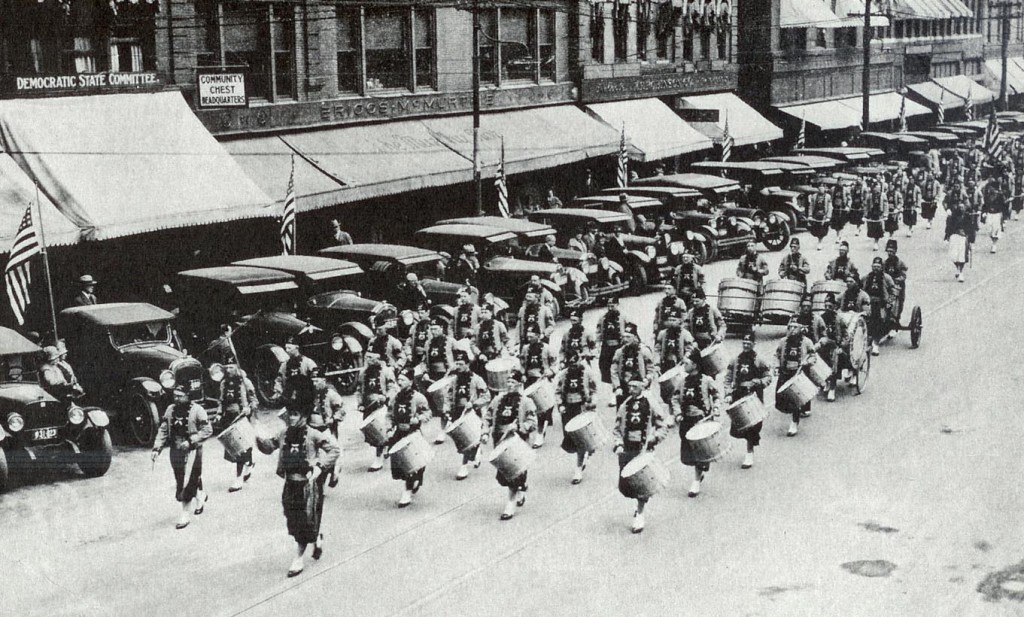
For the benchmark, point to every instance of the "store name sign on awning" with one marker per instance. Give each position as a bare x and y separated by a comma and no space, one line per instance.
84,81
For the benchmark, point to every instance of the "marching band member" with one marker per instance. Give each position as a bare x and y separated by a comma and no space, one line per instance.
306,454
632,361
688,277
639,427
896,269
705,322
330,408
185,426
467,316
407,413
828,344
930,191
673,343
389,348
696,400
577,339
892,219
811,322
792,355
377,384
237,398
575,389
819,214
912,198
960,232
854,299
610,329
994,204
670,304
533,312
491,338
794,266
747,374
511,413
419,334
294,387
751,265
840,208
877,211
860,196
468,393
538,362
842,266
878,286
438,362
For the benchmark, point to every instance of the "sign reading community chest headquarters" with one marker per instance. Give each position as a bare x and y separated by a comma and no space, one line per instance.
222,90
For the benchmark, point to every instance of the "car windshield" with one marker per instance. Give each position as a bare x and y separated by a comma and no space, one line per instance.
18,369
433,269
140,333
507,248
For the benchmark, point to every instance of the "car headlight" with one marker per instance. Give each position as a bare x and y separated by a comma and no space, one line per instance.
337,343
651,251
676,248
76,415
216,372
167,380
15,422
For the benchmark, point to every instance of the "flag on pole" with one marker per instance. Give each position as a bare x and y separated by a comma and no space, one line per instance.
903,113
18,275
993,141
942,107
969,105
499,184
727,141
288,215
621,169
801,137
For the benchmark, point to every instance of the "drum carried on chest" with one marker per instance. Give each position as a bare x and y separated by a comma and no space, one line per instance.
466,431
782,298
712,360
542,393
237,438
410,454
512,457
856,343
746,412
498,371
738,297
819,371
375,427
821,290
797,392
586,431
643,477
707,442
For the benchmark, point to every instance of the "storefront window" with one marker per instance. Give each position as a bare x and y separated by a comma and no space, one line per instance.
388,64
348,49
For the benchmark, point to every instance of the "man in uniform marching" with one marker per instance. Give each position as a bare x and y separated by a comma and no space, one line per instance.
533,312
639,427
876,213
751,265
237,398
185,426
792,355
329,409
913,197
670,305
491,338
829,344
841,267
408,411
930,189
419,334
574,389
389,348
794,266
819,214
672,344
610,329
879,287
577,340
538,362
438,362
688,277
294,385
467,316
995,199
840,208
467,394
747,374
511,413
860,195
632,361
695,401
896,269
377,384
705,322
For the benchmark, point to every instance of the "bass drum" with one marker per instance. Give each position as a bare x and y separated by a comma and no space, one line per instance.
856,346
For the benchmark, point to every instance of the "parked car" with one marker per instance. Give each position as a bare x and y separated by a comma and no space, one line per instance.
36,428
128,357
644,262
531,236
504,274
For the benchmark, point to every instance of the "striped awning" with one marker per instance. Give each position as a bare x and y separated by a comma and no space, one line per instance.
853,12
808,14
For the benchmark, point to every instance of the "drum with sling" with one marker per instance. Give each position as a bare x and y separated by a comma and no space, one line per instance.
375,427
410,454
738,297
466,431
586,431
542,393
707,442
821,290
498,371
782,298
798,391
819,371
746,412
512,457
237,438
856,343
712,360
643,477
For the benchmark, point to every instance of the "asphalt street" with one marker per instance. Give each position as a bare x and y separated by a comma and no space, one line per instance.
904,500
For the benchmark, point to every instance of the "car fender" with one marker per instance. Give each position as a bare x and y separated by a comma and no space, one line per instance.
696,237
710,231
644,258
3,436
577,276
356,330
276,350
97,417
148,387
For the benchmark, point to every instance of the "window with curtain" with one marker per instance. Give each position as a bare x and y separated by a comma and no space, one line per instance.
423,44
283,45
348,48
546,44
518,43
388,62
488,46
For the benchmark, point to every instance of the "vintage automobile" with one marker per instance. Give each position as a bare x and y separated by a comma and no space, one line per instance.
644,263
725,219
248,312
38,429
502,271
846,154
128,357
531,237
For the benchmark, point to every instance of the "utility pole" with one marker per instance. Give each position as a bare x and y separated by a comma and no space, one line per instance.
1005,41
476,109
866,76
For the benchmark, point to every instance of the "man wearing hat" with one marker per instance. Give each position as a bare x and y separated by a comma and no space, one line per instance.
467,394
419,334
546,252
819,214
688,277
670,306
860,195
389,348
812,323
511,413
294,384
437,363
793,354
794,266
995,199
672,344
377,384
695,400
879,287
491,337
407,413
930,190
328,412
534,312
467,268
892,219
538,362
912,198
896,268
86,294
854,299
842,266
829,344
639,427
410,293
751,265
467,316
610,329
237,399
577,340
840,207
877,212
574,390
705,322
54,380
185,426
306,455
631,361
747,374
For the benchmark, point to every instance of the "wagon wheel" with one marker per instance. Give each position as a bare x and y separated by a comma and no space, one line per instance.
862,374
916,325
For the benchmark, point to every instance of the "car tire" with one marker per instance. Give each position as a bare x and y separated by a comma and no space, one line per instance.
142,420
776,237
637,279
699,252
584,294
5,472
96,453
347,383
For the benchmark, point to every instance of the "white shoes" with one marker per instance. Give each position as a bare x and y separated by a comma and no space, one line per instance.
748,461
406,498
960,277
794,428
378,464
831,397
638,522
183,520
874,247
439,439
578,476
874,349
910,233
298,564
993,249
510,510
929,226
463,472
236,485
694,488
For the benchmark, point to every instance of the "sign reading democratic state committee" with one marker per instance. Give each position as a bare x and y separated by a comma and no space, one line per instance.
222,90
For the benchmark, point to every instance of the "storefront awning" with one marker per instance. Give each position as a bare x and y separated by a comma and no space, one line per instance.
852,11
963,86
957,8
746,126
17,193
654,130
1014,76
921,9
123,164
344,165
826,115
808,14
886,106
936,95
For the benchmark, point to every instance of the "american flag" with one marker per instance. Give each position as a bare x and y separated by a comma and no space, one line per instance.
620,171
18,275
903,113
727,141
801,137
969,106
500,184
993,142
288,215
942,107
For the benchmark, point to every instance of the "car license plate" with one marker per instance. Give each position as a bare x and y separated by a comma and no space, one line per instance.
662,260
44,433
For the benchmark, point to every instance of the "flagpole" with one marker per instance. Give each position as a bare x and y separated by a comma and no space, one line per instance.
46,265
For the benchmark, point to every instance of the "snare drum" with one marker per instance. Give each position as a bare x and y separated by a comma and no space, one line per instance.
643,477
782,297
466,431
441,385
542,393
512,457
796,392
586,432
712,360
409,455
746,412
237,438
375,428
737,296
707,442
819,371
822,289
498,371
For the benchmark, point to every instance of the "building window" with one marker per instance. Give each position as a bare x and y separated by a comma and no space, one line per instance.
517,44
620,30
665,30
821,41
793,39
257,38
125,56
282,42
546,45
488,46
846,38
388,63
423,43
597,32
643,28
348,49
